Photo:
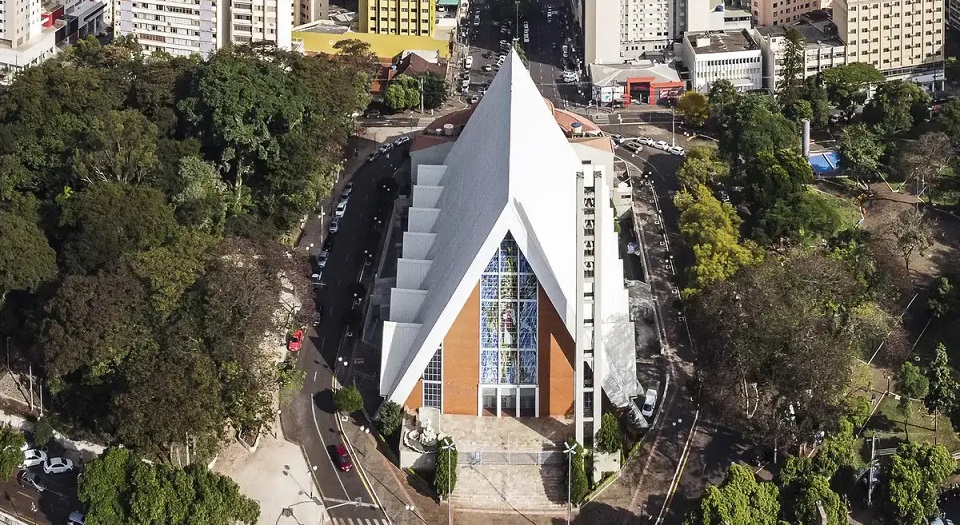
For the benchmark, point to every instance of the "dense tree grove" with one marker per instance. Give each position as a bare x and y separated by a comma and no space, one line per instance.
139,219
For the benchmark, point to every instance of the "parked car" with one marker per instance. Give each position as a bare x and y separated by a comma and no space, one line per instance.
373,113
468,61
342,458
341,208
296,341
57,465
29,479
347,190
401,141
617,138
632,146
649,402
33,457
473,100
465,84
661,144
645,141
335,225
76,518
372,157
318,317
487,67
677,150
317,279
385,148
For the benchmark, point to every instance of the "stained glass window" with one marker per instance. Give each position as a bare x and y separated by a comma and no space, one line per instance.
508,318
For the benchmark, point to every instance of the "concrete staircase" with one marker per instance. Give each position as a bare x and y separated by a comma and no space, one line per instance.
529,488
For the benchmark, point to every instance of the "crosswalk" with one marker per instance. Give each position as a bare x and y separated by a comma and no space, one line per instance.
359,521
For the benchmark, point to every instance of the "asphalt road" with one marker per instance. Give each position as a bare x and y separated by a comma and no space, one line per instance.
53,505
310,420
544,51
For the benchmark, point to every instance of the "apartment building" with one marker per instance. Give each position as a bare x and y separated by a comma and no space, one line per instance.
398,17
184,27
24,39
953,14
716,15
729,55
901,38
781,12
822,47
306,11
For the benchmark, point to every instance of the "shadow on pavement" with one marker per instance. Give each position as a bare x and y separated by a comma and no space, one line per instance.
594,512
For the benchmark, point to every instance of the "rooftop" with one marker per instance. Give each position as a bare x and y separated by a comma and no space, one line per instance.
816,28
720,42
610,74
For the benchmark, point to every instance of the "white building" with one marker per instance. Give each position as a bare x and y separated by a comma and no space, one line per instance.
715,15
203,26
730,55
24,42
822,47
645,28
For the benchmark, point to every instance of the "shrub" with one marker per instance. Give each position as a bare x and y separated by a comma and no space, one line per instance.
579,487
43,432
348,400
446,478
391,418
609,438
11,442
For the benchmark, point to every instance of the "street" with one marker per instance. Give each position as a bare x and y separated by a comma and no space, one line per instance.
311,418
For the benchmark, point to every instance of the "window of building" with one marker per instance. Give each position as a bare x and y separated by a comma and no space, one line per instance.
433,381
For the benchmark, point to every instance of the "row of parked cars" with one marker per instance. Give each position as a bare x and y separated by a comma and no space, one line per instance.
635,144
37,459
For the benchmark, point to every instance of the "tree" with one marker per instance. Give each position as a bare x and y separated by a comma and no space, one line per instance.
445,480
753,125
847,84
121,147
722,95
740,499
391,418
11,451
168,271
202,199
26,258
434,90
711,229
949,119
837,451
792,70
694,107
860,152
110,219
773,333
609,438
42,432
577,473
913,477
897,106
702,166
402,93
944,297
348,400
942,391
815,94
913,234
911,382
802,488
118,487
925,160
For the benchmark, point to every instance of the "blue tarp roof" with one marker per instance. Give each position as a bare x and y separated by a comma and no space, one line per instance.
825,163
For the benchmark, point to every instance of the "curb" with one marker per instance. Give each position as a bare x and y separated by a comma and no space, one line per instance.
363,473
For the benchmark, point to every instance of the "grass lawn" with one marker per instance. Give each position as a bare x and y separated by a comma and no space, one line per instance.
849,212
940,331
893,428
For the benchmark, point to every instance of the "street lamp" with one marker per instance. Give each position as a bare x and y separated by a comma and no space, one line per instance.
569,449
449,447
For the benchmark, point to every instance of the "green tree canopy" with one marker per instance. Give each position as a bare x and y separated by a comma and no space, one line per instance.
860,152
348,400
609,438
445,480
847,84
897,106
911,382
740,498
11,451
26,258
702,166
694,107
434,90
911,483
754,125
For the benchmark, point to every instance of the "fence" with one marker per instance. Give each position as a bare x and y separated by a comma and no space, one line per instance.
543,457
7,519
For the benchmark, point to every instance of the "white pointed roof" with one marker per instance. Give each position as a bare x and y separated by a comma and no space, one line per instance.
510,170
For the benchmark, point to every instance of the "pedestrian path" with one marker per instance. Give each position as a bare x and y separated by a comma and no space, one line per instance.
358,521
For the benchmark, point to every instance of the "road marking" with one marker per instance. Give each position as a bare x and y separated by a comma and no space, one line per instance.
314,376
313,408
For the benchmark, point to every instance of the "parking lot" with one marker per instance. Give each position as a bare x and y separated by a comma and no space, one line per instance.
54,504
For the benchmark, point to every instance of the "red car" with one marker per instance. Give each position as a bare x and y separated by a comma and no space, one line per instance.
296,341
342,458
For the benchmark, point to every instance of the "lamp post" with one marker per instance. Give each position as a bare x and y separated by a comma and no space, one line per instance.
673,126
569,449
450,448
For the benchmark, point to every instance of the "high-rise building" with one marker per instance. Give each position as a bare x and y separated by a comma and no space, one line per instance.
398,17
953,14
24,40
781,12
822,47
901,38
509,297
180,27
306,11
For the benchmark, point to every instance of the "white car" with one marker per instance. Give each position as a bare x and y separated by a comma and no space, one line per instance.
76,518
468,61
33,457
317,279
617,138
649,402
341,208
335,225
661,144
465,85
645,141
322,259
57,465
677,150
401,141
488,67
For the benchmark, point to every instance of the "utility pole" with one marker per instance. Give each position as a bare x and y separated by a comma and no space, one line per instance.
673,126
30,375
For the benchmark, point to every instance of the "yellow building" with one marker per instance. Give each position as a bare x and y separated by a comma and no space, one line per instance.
311,39
397,17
